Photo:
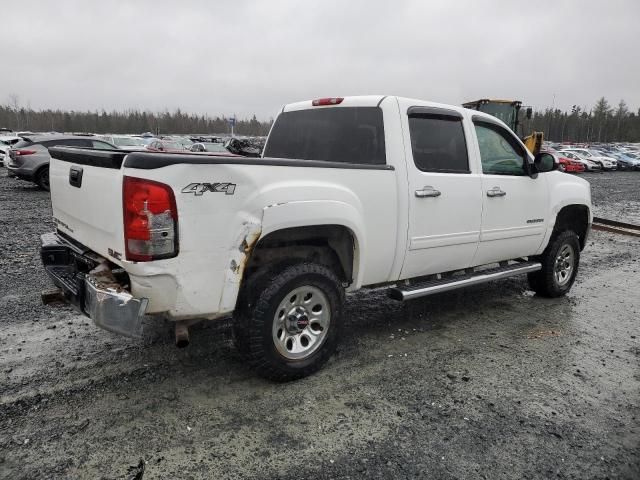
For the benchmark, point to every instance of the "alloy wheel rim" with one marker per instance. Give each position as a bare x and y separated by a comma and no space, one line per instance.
563,265
301,322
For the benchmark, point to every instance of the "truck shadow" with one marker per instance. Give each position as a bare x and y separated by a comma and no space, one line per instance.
370,315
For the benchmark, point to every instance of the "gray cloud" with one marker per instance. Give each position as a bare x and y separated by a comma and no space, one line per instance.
252,57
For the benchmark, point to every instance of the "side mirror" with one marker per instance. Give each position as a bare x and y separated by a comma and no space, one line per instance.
545,162
529,113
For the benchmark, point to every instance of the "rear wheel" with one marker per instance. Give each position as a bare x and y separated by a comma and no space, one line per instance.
560,262
290,326
42,178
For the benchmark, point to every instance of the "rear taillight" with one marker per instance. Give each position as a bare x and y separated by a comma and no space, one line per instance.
150,220
327,101
23,152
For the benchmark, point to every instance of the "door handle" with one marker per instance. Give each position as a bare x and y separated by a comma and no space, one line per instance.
496,192
428,191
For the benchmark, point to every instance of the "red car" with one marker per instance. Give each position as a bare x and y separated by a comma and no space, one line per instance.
570,166
565,164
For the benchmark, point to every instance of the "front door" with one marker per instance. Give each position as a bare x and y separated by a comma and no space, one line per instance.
514,205
444,195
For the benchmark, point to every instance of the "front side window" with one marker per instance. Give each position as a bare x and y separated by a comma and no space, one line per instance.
500,153
438,144
333,134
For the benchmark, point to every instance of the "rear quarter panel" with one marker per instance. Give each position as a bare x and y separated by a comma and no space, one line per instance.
217,230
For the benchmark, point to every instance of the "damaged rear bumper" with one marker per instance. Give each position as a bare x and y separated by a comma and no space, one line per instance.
88,283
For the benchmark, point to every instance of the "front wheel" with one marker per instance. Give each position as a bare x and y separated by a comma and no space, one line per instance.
290,326
560,262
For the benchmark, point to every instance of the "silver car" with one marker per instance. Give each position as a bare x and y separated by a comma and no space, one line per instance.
29,158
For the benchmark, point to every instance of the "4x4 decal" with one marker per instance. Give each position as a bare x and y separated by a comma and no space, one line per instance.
199,188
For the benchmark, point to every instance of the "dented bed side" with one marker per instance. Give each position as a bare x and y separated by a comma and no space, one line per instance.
218,231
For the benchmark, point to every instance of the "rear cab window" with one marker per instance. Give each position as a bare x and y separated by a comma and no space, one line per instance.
334,134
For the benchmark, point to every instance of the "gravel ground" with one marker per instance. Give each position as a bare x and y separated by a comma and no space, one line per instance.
487,382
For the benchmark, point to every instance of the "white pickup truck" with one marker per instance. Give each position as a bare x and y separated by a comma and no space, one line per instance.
371,191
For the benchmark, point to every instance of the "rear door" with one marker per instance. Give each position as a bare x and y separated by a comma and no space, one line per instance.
514,205
444,193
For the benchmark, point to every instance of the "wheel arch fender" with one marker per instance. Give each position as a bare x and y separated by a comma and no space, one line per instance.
311,213
570,212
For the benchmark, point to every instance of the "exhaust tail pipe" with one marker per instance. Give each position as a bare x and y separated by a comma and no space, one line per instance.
182,334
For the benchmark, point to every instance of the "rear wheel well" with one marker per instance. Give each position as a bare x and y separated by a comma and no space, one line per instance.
574,218
330,245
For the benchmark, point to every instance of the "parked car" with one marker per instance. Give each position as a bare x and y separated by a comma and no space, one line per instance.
217,148
606,163
29,158
6,140
184,141
165,146
415,196
589,165
569,166
626,161
125,142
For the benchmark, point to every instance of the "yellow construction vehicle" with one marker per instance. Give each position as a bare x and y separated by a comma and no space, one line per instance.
509,112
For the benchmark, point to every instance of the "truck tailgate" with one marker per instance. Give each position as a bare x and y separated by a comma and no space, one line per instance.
86,197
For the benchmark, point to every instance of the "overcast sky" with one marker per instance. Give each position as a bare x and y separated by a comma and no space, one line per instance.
240,57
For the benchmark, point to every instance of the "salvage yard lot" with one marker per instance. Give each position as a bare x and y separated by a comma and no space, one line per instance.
486,382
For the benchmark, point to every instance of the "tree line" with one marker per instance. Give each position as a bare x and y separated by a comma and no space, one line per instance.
20,118
602,123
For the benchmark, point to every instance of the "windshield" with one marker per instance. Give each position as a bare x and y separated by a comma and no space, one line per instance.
180,140
503,111
215,147
336,134
128,141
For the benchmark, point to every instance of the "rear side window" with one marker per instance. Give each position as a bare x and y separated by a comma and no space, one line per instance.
22,144
337,134
438,143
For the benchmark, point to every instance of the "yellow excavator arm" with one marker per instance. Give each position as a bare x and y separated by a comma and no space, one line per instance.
534,142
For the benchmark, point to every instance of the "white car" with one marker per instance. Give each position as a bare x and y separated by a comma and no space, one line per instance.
606,163
6,141
375,191
126,142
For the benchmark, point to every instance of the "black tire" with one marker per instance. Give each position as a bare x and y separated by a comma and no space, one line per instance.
246,301
42,178
545,282
256,315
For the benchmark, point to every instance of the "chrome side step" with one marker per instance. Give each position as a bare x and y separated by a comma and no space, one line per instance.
445,284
